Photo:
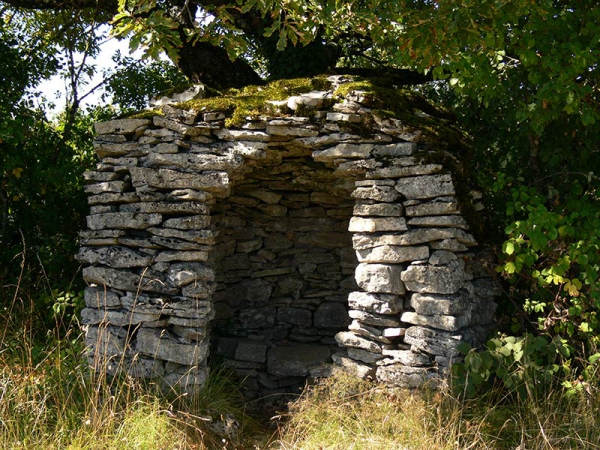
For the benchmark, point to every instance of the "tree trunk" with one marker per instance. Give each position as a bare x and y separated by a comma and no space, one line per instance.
211,65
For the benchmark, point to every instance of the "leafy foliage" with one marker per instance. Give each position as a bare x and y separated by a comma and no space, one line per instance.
525,365
133,84
42,203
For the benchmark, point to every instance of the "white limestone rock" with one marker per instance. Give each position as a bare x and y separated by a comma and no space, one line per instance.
378,320
119,318
406,376
109,197
182,274
183,256
376,224
125,280
174,243
193,161
442,258
364,151
100,298
120,126
242,135
185,129
292,130
413,237
434,342
435,208
378,209
404,171
435,279
392,254
184,195
377,193
342,117
405,357
123,220
196,222
441,322
429,304
451,245
109,340
106,150
214,182
380,278
205,237
363,355
426,186
95,176
454,221
166,208
396,149
107,186
352,151
349,339
357,369
161,345
194,92
375,303
370,332
113,256
312,100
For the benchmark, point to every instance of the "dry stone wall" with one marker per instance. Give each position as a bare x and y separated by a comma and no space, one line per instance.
280,248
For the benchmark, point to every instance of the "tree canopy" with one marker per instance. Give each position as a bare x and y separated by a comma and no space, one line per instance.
542,55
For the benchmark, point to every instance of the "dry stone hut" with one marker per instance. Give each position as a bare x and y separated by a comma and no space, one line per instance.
282,238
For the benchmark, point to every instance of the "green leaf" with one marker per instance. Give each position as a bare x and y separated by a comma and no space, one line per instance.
594,358
508,248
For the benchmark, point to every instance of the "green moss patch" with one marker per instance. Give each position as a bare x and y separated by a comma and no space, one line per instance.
253,101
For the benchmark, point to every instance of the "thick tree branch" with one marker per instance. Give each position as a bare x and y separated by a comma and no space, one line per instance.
100,5
211,65
399,77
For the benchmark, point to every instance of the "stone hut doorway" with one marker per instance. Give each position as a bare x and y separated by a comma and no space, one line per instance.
285,267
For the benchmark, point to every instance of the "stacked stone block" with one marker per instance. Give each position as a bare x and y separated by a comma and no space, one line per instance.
288,243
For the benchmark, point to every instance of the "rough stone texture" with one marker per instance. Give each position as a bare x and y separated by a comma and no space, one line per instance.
115,256
278,241
435,279
122,220
120,126
392,254
425,187
383,278
376,303
372,225
349,339
295,361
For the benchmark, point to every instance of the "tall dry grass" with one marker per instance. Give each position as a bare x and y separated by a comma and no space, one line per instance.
345,413
51,399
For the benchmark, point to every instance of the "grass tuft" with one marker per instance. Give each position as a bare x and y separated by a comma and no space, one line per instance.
346,413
